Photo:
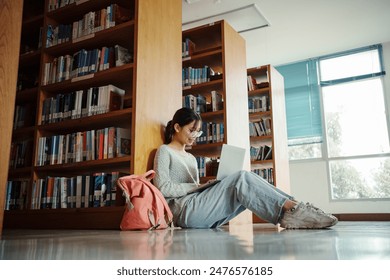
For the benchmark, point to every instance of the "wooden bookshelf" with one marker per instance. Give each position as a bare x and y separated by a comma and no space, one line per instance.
152,73
11,11
221,48
269,86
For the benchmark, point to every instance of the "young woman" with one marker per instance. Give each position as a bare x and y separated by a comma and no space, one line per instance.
177,173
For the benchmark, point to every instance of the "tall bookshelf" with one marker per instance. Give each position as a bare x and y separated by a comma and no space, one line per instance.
268,129
11,22
150,69
219,47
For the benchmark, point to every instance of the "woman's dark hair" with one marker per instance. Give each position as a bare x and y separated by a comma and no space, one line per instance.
182,117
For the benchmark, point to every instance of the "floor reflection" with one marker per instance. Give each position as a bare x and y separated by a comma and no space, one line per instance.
344,241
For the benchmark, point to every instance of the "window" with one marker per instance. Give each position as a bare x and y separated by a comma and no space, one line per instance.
362,178
341,99
355,118
356,64
356,128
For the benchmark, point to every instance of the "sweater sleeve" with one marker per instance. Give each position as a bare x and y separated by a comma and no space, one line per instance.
172,178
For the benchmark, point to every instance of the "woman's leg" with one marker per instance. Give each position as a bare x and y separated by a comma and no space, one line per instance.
222,202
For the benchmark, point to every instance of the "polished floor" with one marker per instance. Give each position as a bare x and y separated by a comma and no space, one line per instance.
345,241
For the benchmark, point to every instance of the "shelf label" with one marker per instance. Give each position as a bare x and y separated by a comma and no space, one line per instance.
187,87
186,58
81,78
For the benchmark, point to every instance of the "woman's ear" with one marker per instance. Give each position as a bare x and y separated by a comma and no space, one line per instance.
176,127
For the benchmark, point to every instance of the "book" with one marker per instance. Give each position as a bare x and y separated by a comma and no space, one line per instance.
87,187
113,98
120,14
216,101
188,48
56,194
267,152
71,192
111,143
252,83
49,36
49,192
78,192
122,56
99,189
123,142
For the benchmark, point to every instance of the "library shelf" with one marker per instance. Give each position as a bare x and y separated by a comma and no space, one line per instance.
142,30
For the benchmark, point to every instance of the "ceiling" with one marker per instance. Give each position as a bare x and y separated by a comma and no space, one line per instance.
301,29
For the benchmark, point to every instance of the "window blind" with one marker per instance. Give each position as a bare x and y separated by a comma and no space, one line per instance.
302,94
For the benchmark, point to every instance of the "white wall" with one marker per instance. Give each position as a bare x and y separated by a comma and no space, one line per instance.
309,180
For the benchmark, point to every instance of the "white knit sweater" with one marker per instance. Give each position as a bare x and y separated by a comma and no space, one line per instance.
176,173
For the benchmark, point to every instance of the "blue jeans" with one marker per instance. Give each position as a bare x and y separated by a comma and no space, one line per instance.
217,205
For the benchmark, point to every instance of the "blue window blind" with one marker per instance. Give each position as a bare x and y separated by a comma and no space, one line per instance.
303,110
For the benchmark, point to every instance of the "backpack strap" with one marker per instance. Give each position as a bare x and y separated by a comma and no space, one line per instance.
125,191
167,211
149,175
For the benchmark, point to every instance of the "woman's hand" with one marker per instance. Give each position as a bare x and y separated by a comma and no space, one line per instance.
208,182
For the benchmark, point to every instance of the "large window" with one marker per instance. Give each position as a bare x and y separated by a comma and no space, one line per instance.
355,140
355,123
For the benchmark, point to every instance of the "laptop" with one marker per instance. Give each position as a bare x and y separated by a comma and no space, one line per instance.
231,161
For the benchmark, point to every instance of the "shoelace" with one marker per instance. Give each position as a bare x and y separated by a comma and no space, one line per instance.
310,205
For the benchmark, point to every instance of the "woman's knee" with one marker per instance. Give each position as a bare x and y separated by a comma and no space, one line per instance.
241,178
244,175
241,174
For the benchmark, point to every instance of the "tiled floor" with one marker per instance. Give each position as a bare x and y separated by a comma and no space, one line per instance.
346,240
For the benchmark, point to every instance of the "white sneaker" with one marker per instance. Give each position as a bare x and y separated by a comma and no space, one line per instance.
307,216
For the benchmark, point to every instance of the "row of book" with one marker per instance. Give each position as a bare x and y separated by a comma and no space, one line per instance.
188,48
263,152
21,154
16,195
259,104
97,144
207,166
266,173
193,76
91,22
262,127
261,82
56,4
24,115
84,62
212,133
84,191
82,103
200,104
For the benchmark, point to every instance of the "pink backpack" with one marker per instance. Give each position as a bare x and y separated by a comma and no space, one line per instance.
146,206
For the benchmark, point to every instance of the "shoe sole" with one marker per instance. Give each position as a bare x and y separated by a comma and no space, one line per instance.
310,227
